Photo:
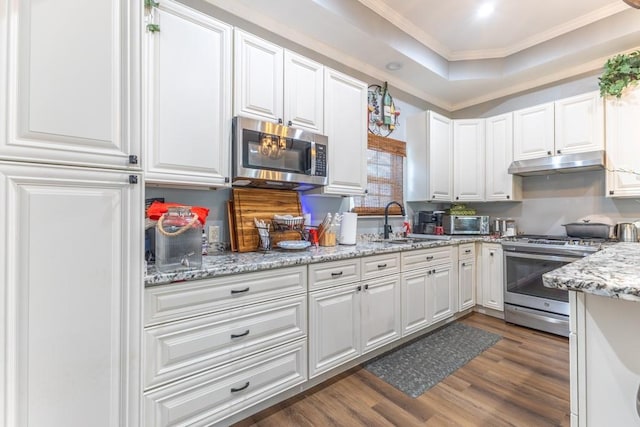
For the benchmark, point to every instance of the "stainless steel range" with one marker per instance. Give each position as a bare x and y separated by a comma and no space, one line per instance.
527,301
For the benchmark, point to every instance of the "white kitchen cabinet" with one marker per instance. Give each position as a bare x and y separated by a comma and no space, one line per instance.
466,276
334,327
469,160
606,361
187,97
579,124
274,84
70,296
345,120
429,157
500,185
569,125
623,150
533,132
380,312
72,83
428,288
492,276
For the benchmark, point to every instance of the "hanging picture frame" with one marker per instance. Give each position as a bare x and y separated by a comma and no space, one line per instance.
376,111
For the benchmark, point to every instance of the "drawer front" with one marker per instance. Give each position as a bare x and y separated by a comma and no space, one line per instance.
334,273
178,349
208,398
423,258
182,300
466,250
380,265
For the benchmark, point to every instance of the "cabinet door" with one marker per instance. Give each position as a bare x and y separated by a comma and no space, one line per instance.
72,82
188,98
623,151
579,124
466,284
303,93
380,312
440,157
492,277
345,114
468,160
258,78
334,327
71,296
442,293
500,185
414,301
533,132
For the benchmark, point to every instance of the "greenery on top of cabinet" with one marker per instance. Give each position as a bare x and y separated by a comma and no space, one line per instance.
619,72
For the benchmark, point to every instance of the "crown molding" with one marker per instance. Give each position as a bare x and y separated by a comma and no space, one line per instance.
393,17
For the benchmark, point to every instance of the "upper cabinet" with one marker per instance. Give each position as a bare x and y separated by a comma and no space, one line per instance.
623,150
345,112
500,185
579,124
187,97
429,157
469,160
533,132
277,85
570,125
71,93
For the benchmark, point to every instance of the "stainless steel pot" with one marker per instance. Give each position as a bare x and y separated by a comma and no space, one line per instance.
626,232
587,230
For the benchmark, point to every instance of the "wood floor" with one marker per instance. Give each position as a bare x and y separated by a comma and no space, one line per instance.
521,381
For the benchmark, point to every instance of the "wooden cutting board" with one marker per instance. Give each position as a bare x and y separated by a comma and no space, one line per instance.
250,203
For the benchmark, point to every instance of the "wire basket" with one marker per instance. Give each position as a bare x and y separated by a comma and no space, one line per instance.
294,223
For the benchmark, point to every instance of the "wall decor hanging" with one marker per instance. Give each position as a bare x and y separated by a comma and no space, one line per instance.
382,112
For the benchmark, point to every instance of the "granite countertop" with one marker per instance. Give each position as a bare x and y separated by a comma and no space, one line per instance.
613,272
227,263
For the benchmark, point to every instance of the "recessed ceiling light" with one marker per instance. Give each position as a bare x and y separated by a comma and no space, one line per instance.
485,10
393,66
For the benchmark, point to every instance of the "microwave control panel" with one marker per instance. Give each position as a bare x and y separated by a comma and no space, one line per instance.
321,160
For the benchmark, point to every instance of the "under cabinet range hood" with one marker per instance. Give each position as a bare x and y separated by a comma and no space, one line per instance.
562,163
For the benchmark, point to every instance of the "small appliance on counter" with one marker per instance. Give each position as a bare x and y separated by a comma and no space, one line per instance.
426,222
504,227
465,224
626,232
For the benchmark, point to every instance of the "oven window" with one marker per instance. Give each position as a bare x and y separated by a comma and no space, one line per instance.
524,276
270,152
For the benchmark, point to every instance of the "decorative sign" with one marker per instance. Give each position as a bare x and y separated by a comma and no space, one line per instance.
382,112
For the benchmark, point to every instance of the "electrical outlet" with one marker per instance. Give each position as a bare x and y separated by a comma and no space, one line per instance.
214,234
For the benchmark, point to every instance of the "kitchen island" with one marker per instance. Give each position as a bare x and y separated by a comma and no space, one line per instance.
604,289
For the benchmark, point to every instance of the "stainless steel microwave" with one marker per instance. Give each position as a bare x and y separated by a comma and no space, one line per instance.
271,155
465,224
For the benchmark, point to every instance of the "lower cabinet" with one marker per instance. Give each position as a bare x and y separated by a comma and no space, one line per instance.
215,347
492,276
466,276
428,296
349,320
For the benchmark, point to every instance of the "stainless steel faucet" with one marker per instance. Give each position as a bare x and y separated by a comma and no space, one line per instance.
387,227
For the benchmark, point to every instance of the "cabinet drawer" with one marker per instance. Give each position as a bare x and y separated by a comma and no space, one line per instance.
380,265
466,250
208,398
182,348
423,258
334,273
182,300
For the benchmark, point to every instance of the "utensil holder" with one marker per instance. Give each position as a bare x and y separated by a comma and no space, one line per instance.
264,242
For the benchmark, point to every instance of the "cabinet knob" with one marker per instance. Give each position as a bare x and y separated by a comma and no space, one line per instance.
359,288
133,179
508,197
457,198
491,253
611,192
366,287
133,159
289,123
464,264
559,151
433,271
549,153
280,121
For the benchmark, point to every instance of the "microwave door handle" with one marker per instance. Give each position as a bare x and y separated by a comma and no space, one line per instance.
311,154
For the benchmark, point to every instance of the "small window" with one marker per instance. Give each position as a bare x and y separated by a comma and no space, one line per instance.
385,159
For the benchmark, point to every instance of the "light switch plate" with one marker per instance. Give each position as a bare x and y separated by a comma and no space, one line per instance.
214,234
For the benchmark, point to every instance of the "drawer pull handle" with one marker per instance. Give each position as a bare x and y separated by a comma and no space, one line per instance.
239,291
338,274
430,257
244,334
468,251
382,265
244,387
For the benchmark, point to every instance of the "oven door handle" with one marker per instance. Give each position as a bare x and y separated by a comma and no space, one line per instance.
545,257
